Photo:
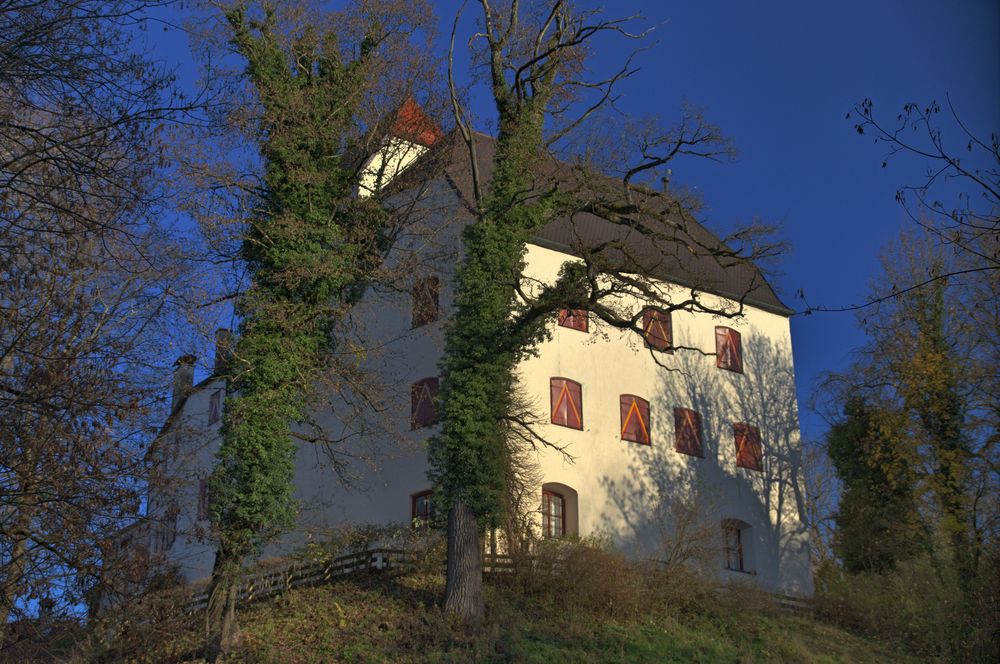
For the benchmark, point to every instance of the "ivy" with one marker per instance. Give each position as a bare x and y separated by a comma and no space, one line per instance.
307,251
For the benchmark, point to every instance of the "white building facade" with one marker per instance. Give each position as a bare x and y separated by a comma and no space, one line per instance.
698,414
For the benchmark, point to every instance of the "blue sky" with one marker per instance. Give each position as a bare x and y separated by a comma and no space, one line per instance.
779,77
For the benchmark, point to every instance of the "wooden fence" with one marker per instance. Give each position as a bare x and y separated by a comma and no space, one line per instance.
300,574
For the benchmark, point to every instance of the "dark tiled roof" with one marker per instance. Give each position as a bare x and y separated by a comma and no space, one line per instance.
673,247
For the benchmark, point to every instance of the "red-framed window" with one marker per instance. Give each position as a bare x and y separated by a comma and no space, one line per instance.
553,514
567,402
215,407
424,301
202,498
728,349
422,410
656,330
749,450
732,542
575,319
635,418
422,507
687,432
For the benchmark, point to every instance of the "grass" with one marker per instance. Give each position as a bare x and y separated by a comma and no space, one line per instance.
395,618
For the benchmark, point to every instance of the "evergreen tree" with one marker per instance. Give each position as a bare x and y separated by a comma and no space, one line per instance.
877,521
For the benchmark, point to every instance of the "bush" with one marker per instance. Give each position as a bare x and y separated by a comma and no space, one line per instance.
580,574
917,604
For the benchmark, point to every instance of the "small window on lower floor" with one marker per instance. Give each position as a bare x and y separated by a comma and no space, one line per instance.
553,514
422,508
203,498
737,546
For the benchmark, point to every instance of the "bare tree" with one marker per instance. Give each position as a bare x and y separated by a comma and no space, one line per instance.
634,241
957,201
89,283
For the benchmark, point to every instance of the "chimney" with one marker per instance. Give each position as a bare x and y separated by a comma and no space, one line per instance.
183,380
223,350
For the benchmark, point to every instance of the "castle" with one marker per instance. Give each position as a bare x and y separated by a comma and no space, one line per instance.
696,416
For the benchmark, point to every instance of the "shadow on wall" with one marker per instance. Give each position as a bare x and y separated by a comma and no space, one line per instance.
680,508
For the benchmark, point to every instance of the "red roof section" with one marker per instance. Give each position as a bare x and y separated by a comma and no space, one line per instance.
414,125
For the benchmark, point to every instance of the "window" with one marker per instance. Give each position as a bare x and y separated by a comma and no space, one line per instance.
202,498
749,451
656,329
215,407
553,514
728,349
687,432
732,542
635,418
422,410
166,530
567,402
424,301
575,319
422,508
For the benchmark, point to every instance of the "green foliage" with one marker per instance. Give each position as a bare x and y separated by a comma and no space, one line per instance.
490,330
877,522
307,252
919,605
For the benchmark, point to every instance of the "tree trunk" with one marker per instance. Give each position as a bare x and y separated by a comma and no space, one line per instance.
222,632
463,593
10,581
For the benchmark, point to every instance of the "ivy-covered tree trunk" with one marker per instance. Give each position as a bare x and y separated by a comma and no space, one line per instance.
306,251
469,458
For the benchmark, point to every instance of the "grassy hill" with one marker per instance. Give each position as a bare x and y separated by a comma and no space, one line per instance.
613,615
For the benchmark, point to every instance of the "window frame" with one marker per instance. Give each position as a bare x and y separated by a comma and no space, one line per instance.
733,342
575,319
638,404
203,498
729,552
684,414
548,517
577,407
417,389
214,407
429,516
749,434
425,301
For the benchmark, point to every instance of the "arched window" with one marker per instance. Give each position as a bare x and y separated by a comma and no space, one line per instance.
553,514
566,400
560,510
575,319
728,349
656,330
635,418
422,411
687,432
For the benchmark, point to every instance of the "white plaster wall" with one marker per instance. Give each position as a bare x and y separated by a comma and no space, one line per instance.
624,488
